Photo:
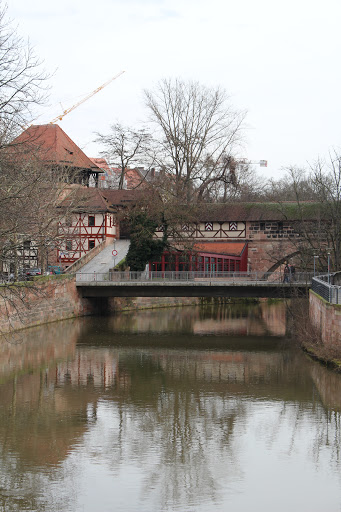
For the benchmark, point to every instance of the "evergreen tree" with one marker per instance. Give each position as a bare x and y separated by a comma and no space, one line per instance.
143,246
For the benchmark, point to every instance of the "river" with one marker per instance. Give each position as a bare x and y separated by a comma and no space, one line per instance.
194,409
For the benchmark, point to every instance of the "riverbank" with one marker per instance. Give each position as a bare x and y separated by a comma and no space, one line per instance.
323,357
40,301
316,327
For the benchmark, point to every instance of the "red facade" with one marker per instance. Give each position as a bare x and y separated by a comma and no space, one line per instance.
201,261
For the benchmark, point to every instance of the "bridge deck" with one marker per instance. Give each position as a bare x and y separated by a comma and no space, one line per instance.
190,284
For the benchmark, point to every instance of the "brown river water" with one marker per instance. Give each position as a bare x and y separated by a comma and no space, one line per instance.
182,409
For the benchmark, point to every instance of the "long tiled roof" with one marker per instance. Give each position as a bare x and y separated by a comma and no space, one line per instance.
228,248
259,211
121,197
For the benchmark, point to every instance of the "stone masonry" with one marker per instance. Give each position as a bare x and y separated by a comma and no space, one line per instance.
56,298
327,318
38,302
269,242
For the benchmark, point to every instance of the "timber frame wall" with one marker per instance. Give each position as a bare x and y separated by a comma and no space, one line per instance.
82,233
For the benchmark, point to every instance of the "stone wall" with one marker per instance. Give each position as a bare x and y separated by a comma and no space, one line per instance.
127,303
269,242
327,318
38,302
55,298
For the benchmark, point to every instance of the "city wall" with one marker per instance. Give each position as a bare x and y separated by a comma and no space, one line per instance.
326,318
38,302
269,246
56,298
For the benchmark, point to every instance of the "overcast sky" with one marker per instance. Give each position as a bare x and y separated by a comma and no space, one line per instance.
277,60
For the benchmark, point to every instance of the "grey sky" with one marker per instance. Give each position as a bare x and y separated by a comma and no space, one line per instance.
279,61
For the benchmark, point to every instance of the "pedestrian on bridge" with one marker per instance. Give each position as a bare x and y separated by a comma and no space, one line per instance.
286,278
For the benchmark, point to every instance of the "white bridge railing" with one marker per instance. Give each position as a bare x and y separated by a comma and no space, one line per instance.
194,277
328,287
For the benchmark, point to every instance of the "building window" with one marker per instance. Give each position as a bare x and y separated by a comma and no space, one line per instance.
219,265
27,245
262,226
280,226
68,245
91,244
91,220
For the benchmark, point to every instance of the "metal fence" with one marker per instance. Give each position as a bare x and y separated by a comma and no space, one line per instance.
324,287
228,277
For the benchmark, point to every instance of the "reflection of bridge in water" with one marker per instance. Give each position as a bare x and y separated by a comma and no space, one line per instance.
193,284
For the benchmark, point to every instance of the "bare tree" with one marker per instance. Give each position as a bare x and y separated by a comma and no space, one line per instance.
242,184
22,88
198,132
30,197
326,178
314,208
124,148
296,183
22,79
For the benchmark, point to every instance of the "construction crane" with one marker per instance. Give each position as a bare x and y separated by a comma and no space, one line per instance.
245,161
61,116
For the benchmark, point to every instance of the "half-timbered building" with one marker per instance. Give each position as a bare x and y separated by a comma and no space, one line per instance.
237,237
92,221
224,237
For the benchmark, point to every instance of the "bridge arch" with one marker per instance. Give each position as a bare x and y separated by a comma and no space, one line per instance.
282,261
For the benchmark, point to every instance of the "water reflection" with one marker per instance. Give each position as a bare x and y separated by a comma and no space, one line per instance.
190,416
240,319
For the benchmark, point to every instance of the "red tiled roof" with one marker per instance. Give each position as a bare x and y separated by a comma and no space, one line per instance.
84,199
50,144
122,196
89,199
133,177
101,163
229,248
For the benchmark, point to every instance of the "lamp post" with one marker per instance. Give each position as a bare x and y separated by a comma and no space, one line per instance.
328,252
315,265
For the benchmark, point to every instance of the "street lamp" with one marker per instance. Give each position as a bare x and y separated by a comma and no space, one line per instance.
328,252
314,264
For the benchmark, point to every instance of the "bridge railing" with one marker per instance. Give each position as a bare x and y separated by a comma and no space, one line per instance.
173,276
324,287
